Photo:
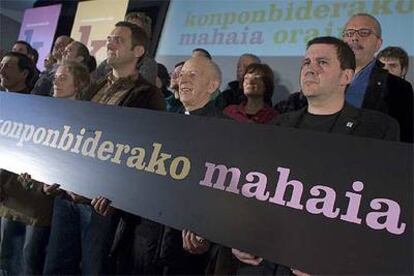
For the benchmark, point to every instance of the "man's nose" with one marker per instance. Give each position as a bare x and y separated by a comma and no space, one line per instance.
182,78
312,68
109,45
355,37
250,81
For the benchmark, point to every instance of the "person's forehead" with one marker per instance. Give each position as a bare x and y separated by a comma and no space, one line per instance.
194,65
121,31
246,60
390,60
253,74
321,50
360,22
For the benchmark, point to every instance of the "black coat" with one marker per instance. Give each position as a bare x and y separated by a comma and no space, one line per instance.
391,95
352,121
175,260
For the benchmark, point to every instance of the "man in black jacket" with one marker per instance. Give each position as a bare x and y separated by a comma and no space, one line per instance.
373,87
199,78
90,234
327,69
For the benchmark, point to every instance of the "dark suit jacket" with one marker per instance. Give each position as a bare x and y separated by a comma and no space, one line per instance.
209,110
352,121
391,95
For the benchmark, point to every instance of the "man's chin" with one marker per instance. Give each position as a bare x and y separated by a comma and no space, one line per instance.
308,93
185,102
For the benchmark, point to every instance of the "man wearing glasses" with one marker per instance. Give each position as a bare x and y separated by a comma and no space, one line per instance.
373,87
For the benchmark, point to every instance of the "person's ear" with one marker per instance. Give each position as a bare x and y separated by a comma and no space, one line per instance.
25,73
379,44
213,85
139,51
347,77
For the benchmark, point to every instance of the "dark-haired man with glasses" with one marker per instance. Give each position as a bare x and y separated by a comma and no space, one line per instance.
373,87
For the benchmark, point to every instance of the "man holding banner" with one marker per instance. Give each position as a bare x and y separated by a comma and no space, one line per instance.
124,87
25,212
147,66
324,77
327,69
199,78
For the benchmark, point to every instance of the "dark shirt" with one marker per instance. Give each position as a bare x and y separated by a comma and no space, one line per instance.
323,123
350,121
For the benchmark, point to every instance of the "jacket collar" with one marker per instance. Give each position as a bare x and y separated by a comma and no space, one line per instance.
348,120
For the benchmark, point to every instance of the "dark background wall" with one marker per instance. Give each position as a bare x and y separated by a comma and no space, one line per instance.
11,15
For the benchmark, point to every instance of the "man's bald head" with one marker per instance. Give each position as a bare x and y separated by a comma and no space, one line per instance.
362,33
60,45
199,78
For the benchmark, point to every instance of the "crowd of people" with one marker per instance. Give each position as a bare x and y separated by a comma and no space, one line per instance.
345,88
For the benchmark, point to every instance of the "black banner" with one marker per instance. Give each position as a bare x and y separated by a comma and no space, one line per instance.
322,203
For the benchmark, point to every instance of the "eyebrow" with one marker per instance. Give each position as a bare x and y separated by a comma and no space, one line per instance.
323,58
317,58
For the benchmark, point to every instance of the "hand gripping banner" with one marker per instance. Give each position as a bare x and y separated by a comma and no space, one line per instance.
325,203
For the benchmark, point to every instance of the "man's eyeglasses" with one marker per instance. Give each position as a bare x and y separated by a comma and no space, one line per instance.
361,32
